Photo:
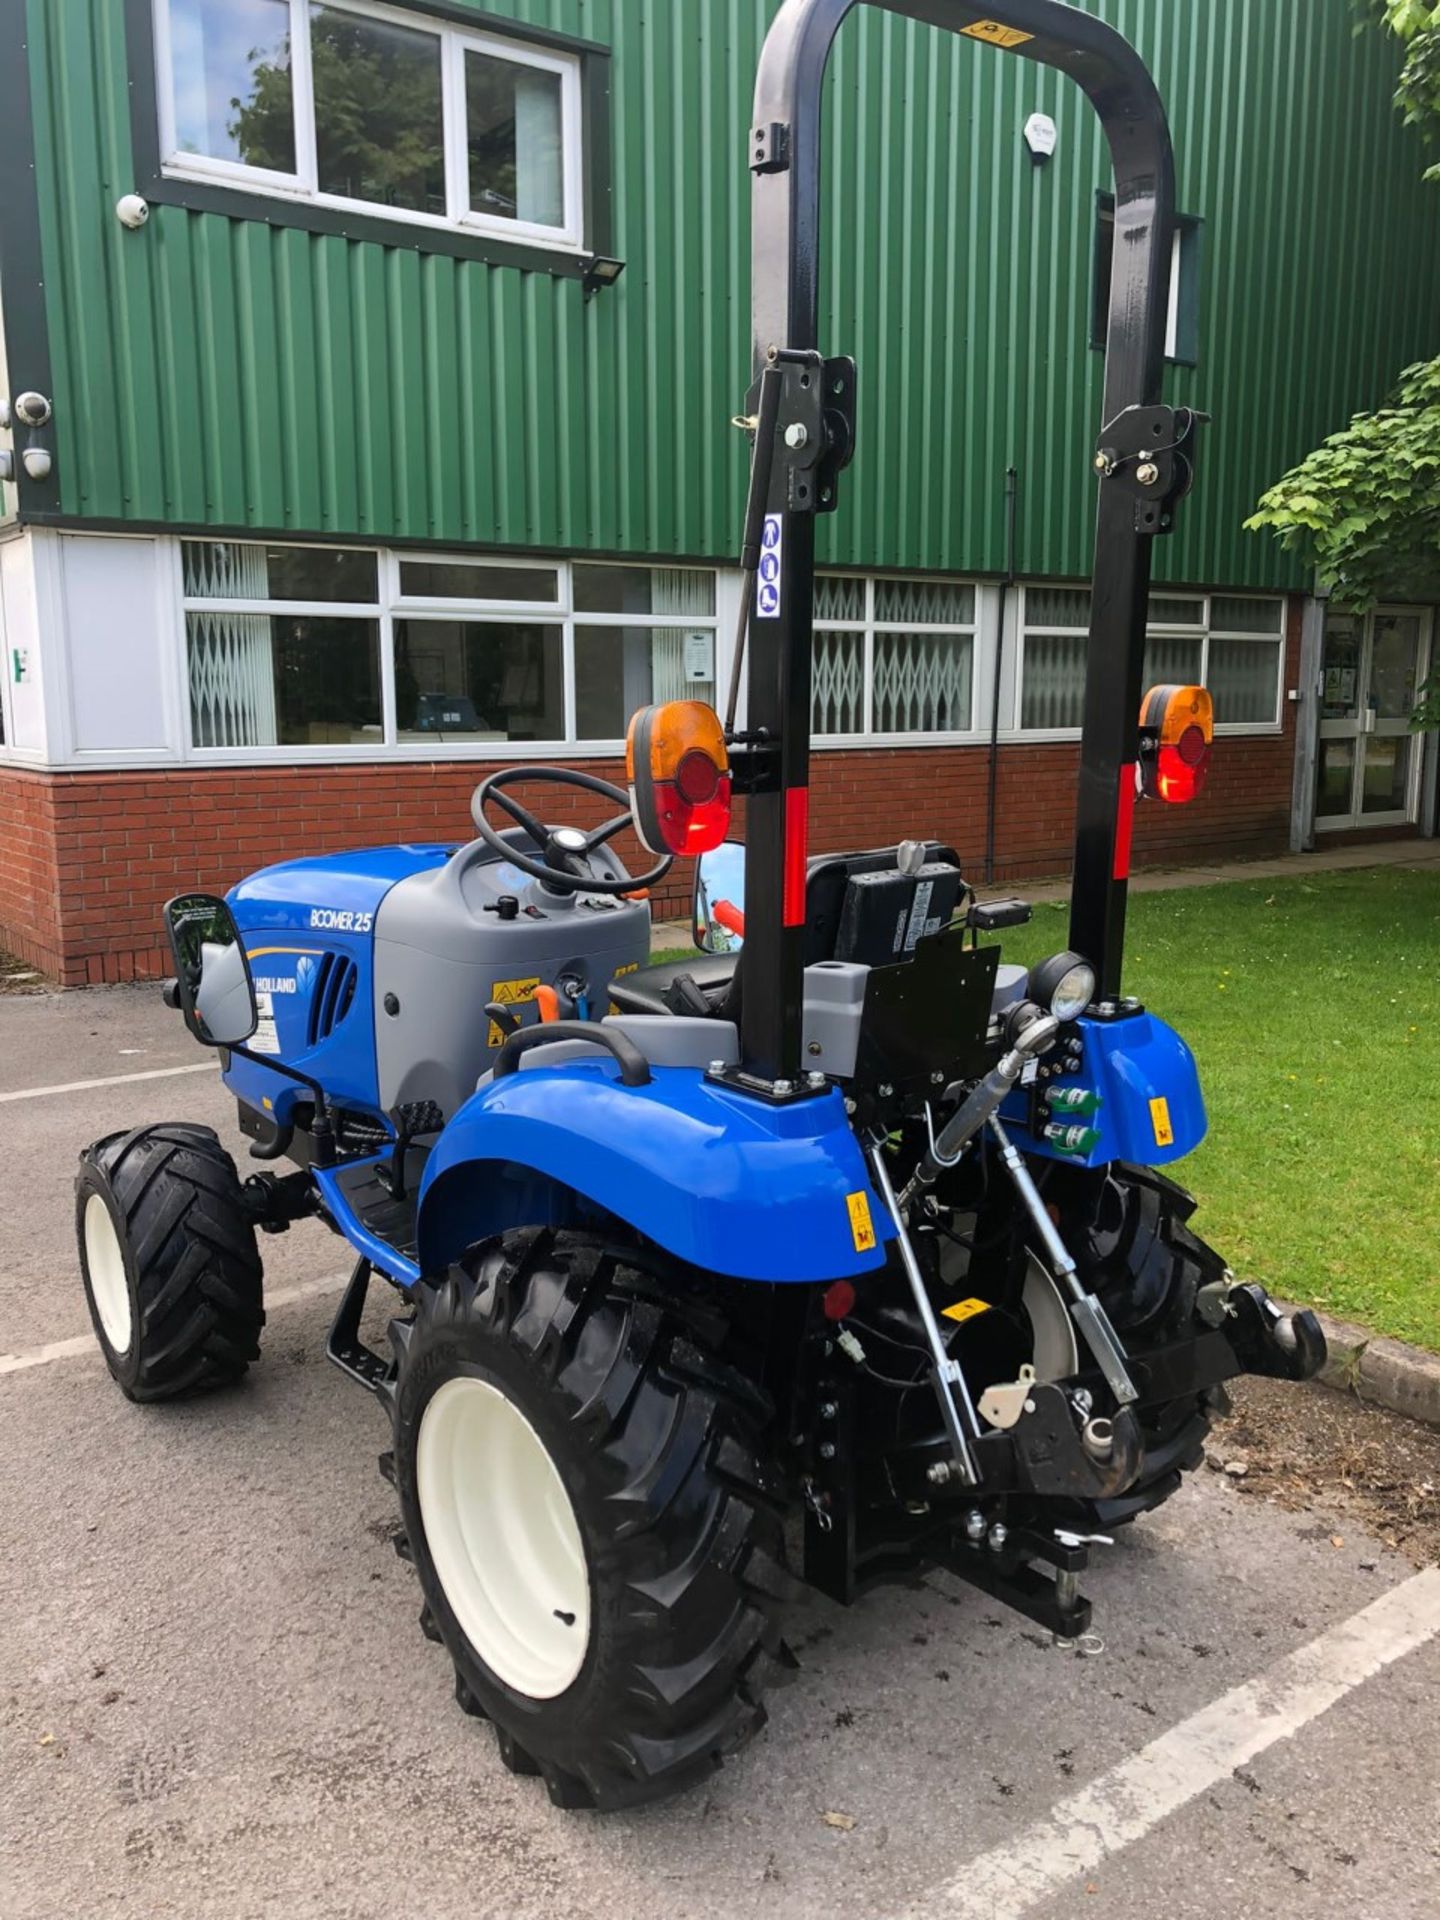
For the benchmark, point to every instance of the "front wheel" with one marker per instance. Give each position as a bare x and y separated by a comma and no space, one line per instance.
168,1257
587,1508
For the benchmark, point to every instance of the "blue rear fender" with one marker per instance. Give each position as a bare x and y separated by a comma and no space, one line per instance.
723,1182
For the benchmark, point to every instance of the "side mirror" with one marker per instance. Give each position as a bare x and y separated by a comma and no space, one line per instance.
212,972
717,915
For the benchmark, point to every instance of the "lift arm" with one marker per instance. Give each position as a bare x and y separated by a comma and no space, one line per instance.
785,156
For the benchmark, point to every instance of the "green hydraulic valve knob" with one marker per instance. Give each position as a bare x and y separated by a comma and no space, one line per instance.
1078,1141
1076,1102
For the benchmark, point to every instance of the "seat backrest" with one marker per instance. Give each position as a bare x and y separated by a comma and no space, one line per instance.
826,880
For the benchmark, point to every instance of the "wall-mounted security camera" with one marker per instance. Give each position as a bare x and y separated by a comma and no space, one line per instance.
1041,136
32,409
132,210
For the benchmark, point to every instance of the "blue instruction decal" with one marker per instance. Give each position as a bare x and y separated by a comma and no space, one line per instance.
772,568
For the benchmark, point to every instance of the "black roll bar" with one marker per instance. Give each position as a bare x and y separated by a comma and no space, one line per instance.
785,158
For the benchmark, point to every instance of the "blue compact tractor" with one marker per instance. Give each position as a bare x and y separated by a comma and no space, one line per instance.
839,1250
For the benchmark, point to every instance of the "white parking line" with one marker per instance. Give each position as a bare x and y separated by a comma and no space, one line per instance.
113,1080
85,1342
1127,1802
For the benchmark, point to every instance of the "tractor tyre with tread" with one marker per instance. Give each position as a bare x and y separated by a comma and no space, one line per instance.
1134,1247
591,1404
172,1274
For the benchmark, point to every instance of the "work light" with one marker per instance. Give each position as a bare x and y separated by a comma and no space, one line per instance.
1064,985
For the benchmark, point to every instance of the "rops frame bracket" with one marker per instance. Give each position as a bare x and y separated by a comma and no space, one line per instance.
1150,452
814,436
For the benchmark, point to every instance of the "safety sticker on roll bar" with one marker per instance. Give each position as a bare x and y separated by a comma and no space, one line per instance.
772,568
996,35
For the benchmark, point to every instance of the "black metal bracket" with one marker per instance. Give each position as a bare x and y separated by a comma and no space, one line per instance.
754,763
770,148
1150,453
814,432
1009,1576
345,1347
779,1093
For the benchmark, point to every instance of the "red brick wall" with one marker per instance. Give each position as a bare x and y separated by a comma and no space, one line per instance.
87,859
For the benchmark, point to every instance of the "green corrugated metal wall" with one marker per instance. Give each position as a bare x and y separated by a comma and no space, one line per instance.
219,371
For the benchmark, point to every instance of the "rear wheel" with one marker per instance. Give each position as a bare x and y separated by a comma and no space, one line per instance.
587,1507
1128,1229
168,1256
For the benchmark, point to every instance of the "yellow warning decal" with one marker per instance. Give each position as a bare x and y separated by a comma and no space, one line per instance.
862,1230
632,967
509,993
966,1309
994,35
1160,1121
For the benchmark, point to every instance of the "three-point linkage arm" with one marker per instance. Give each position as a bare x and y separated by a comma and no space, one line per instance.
785,158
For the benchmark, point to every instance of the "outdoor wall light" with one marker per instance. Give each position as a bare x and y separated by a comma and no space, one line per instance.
1041,137
600,271
37,463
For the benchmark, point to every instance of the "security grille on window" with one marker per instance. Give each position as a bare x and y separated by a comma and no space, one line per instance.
893,658
294,647
346,103
1232,644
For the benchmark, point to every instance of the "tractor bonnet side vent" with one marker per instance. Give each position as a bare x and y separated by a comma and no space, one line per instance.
333,996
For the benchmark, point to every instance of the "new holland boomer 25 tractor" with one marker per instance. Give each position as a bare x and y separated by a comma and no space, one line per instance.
838,1247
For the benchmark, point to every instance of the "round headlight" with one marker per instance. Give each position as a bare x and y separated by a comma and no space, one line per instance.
1064,985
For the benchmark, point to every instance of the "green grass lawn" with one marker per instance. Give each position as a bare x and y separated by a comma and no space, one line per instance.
1313,1007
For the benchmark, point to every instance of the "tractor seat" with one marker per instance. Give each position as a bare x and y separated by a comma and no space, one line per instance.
658,989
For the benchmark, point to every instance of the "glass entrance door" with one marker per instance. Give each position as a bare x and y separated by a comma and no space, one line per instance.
1369,764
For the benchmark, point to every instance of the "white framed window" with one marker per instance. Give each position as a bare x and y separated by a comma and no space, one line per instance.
894,660
291,648
356,105
1234,644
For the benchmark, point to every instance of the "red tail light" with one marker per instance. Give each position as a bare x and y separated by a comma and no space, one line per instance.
1177,733
679,775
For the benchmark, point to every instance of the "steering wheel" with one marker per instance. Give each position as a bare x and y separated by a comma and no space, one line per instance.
564,862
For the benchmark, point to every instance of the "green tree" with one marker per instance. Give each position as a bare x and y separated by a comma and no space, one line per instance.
1364,508
378,118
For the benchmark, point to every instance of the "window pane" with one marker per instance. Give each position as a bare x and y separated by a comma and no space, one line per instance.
1054,691
1336,778
1385,782
837,701
922,683
292,680
473,680
238,570
379,131
644,590
459,580
514,121
1172,659
1244,675
1173,612
947,603
1058,607
1229,614
230,61
619,669
839,596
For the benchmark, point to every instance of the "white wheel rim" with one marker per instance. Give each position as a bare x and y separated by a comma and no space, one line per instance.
1056,1355
503,1537
105,1269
